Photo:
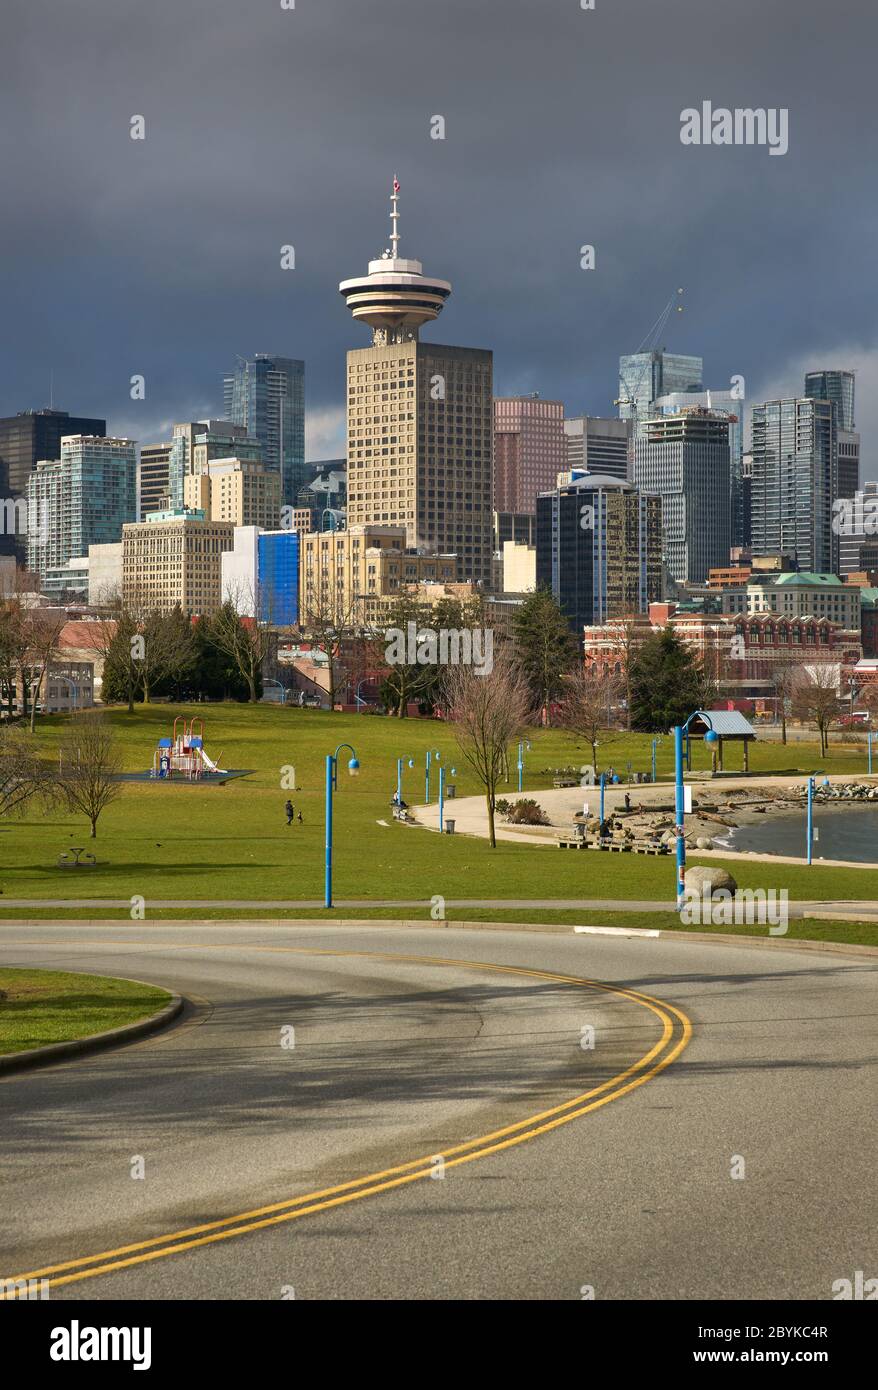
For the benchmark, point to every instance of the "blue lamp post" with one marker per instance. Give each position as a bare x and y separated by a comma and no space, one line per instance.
657,739
399,763
525,743
869,745
679,795
603,780
809,818
331,785
442,797
431,753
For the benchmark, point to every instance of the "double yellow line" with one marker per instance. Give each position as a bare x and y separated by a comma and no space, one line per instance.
675,1034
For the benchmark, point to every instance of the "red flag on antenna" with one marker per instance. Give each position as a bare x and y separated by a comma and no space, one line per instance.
396,185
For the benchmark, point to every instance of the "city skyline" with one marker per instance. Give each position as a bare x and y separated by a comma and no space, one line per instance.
749,250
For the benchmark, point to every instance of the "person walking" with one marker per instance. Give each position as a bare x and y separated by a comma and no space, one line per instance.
291,812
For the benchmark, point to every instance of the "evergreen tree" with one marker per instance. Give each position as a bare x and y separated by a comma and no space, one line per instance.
666,683
544,647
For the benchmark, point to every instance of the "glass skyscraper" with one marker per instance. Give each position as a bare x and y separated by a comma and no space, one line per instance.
835,386
266,395
795,481
644,376
82,499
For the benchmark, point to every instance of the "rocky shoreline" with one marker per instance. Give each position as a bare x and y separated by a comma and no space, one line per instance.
714,811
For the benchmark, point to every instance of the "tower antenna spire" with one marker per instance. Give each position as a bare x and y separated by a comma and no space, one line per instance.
394,218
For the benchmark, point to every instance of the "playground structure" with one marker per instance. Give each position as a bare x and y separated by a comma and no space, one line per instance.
183,754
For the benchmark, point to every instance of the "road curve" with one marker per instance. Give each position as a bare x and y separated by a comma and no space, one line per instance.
423,1113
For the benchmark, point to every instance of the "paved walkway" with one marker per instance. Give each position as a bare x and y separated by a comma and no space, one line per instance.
470,815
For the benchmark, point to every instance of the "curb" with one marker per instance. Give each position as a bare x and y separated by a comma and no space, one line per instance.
96,1042
784,943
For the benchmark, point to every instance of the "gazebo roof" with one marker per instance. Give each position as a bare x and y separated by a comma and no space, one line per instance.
728,723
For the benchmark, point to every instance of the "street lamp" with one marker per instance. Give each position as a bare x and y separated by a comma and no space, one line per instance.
74,690
431,753
399,763
442,797
525,743
603,780
679,795
657,739
360,703
331,785
869,746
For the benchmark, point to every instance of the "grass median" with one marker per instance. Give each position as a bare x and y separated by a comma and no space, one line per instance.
39,1007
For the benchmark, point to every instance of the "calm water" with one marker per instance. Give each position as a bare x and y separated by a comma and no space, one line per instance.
848,834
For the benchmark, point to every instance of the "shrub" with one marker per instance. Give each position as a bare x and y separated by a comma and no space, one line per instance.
527,812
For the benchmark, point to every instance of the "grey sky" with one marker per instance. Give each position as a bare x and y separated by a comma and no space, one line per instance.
266,126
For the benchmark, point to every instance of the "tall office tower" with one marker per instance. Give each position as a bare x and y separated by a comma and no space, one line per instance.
795,481
838,387
198,443
529,450
857,529
685,459
81,499
266,395
747,501
835,386
246,494
599,549
597,445
733,406
420,417
24,440
153,479
644,376
514,526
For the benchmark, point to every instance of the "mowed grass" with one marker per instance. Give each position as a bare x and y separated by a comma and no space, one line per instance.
208,843
51,1006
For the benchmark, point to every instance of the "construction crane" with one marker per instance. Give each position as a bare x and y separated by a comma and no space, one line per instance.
649,344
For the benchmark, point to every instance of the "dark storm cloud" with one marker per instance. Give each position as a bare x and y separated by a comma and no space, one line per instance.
267,126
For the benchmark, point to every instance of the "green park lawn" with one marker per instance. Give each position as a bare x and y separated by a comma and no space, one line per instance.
38,1007
206,842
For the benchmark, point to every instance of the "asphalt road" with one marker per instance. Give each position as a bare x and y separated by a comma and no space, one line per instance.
566,1166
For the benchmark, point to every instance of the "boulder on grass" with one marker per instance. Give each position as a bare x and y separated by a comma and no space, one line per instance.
698,876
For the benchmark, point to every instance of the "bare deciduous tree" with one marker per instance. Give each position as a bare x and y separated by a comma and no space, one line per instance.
784,677
42,628
332,622
488,712
815,697
89,767
23,775
244,641
586,705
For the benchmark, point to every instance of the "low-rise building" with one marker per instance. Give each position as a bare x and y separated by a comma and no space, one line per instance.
802,595
519,568
349,577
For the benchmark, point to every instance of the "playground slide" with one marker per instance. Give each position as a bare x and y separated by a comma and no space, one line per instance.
210,764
